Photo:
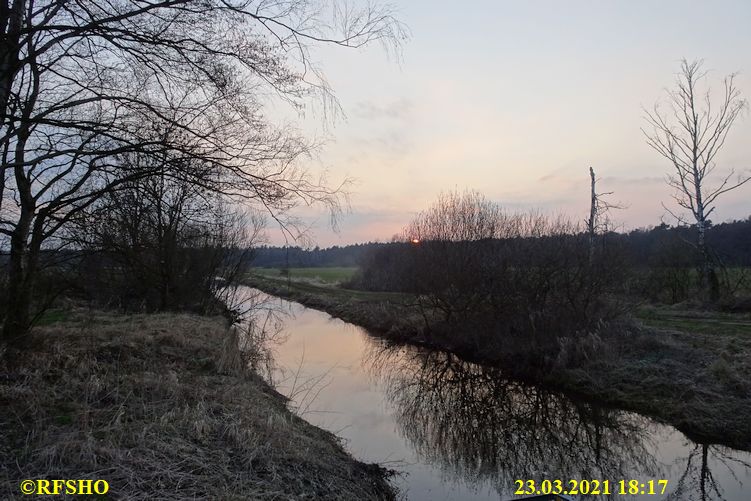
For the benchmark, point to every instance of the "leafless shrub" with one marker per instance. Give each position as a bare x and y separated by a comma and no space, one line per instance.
165,242
505,277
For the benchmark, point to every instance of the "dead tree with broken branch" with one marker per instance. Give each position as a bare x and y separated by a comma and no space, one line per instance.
599,208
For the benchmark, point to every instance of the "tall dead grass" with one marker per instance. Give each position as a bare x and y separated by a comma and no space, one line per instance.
163,407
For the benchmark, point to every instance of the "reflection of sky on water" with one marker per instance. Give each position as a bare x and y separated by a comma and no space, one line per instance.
459,431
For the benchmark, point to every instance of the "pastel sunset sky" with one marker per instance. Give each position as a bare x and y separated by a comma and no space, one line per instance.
517,99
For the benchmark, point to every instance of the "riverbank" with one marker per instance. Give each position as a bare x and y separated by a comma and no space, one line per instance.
161,406
692,374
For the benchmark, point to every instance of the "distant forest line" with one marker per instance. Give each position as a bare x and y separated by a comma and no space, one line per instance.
730,241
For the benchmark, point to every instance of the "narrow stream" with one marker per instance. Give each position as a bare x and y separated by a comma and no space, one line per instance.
459,431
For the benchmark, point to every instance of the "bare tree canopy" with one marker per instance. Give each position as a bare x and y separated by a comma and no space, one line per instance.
690,134
83,82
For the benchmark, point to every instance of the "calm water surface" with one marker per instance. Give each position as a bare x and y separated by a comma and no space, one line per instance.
460,431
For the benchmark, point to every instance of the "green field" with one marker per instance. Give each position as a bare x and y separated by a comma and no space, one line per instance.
328,276
318,282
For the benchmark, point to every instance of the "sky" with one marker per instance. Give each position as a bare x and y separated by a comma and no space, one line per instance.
516,99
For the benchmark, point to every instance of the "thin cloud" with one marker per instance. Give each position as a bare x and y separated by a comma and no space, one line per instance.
396,110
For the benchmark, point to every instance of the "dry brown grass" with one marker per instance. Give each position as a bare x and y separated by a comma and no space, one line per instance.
698,382
161,407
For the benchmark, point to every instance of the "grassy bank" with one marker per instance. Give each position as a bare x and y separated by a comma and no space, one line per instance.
162,407
387,313
687,369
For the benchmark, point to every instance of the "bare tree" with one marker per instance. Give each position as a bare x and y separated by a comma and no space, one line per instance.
690,135
598,212
83,82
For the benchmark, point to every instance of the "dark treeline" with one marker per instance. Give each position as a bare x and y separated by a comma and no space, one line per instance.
731,242
661,261
298,257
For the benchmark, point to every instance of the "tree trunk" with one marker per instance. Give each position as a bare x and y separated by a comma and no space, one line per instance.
23,261
21,264
11,19
704,475
707,280
708,284
592,223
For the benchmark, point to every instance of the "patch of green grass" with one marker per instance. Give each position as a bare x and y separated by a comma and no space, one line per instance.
50,317
336,294
329,275
703,326
703,322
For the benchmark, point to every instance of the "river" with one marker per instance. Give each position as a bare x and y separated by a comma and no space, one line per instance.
460,431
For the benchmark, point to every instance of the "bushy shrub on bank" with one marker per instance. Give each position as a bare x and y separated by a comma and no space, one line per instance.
481,271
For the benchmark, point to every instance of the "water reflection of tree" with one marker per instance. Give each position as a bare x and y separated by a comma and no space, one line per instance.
698,482
480,427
